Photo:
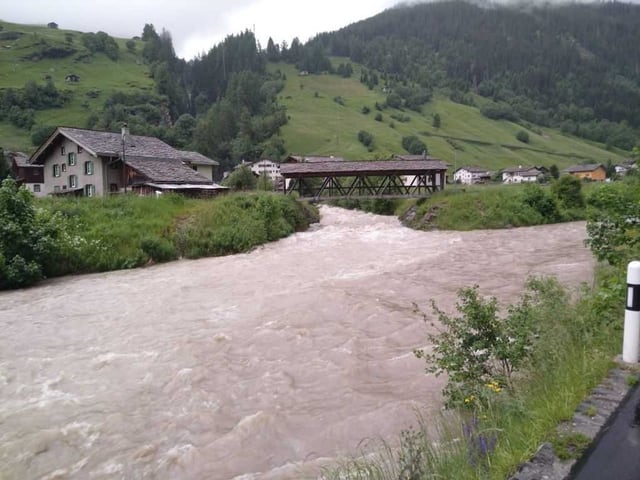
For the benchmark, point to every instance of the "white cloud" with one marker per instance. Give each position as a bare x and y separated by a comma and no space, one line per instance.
196,25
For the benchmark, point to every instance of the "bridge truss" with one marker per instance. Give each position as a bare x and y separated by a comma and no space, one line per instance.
367,179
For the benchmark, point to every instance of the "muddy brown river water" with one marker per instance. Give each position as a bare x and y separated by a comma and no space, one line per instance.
264,365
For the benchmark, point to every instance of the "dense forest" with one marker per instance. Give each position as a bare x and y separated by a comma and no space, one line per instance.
575,67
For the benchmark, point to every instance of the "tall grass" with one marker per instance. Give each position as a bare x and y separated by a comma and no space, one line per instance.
576,344
488,207
239,222
128,231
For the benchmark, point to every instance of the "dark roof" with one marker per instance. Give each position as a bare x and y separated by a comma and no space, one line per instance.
197,158
583,168
313,159
109,144
165,170
381,167
21,160
413,157
474,169
524,171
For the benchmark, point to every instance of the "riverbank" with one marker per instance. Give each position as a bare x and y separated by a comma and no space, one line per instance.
45,238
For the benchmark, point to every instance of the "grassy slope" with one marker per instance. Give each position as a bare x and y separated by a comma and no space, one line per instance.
318,124
321,126
101,73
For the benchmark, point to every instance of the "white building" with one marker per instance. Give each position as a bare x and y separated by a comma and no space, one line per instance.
267,167
82,162
471,175
521,175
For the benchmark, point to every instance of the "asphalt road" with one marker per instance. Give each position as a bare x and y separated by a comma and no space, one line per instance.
616,453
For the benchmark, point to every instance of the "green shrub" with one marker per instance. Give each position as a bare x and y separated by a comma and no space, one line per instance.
28,238
522,136
366,139
542,202
568,189
158,249
242,178
414,145
479,351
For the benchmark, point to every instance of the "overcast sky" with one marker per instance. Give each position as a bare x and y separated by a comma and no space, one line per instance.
196,25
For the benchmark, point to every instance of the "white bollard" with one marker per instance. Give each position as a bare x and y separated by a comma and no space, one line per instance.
631,342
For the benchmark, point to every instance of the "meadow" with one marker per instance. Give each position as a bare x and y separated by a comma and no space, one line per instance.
326,113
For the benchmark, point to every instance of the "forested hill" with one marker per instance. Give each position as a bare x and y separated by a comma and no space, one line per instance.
463,79
575,66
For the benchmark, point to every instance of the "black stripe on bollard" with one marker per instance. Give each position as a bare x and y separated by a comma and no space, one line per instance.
633,297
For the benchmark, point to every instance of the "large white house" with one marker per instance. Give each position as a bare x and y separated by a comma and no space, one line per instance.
521,175
267,167
471,175
89,163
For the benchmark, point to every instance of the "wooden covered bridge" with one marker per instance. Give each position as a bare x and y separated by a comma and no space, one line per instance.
364,179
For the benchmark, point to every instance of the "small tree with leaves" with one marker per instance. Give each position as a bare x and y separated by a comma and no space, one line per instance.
478,351
436,120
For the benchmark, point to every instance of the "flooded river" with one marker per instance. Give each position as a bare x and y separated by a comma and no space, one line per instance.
257,366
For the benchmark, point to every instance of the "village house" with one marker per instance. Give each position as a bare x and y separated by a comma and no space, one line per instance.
27,175
595,172
521,174
624,168
410,180
201,164
471,175
72,77
90,163
267,167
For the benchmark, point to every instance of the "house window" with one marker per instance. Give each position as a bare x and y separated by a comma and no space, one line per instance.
73,158
36,188
73,181
89,190
56,170
88,168
62,150
80,149
64,167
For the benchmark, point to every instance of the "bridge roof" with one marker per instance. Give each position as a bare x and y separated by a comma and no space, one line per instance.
374,167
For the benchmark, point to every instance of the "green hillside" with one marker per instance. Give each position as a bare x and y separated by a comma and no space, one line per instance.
21,59
320,125
325,111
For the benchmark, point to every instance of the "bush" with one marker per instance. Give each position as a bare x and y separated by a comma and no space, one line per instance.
158,249
28,238
40,133
237,223
477,350
499,111
378,117
522,136
414,145
542,202
568,189
241,178
366,139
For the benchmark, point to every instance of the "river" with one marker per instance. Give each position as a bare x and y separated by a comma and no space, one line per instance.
264,365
